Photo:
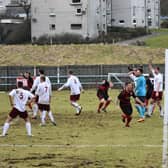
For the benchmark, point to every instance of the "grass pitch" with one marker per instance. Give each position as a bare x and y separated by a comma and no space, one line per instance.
90,140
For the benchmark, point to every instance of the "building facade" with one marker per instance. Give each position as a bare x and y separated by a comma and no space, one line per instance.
83,17
134,13
90,18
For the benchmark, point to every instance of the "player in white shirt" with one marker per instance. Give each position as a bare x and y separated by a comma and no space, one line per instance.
157,91
18,100
44,98
33,89
75,87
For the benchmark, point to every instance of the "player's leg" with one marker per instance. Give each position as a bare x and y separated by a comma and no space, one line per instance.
35,110
51,117
6,125
13,114
108,101
141,111
28,126
101,104
160,108
43,117
73,100
151,107
25,116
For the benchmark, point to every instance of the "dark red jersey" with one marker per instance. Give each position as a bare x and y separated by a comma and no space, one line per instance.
125,97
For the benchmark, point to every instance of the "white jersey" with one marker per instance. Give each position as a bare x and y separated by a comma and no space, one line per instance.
20,98
158,79
44,93
37,82
74,84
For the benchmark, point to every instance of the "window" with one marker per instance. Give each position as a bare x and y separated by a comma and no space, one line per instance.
121,21
134,21
76,1
52,27
76,26
79,11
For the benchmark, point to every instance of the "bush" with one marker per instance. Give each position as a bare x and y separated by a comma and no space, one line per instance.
164,24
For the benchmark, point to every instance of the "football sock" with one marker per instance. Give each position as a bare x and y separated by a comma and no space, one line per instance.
28,128
150,109
76,105
51,116
5,128
129,118
35,110
161,110
43,116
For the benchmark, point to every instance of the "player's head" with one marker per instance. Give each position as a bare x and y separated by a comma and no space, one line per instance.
70,73
105,83
41,71
157,70
20,84
27,74
42,78
129,86
138,72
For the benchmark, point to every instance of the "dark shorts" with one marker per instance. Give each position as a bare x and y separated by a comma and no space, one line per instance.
149,94
142,98
102,96
74,98
14,113
126,108
157,98
37,98
44,107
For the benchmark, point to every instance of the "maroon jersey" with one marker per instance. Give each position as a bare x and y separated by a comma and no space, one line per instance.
125,97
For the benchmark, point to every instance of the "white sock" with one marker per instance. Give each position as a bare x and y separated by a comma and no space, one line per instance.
150,109
28,128
76,105
35,109
43,116
51,116
5,128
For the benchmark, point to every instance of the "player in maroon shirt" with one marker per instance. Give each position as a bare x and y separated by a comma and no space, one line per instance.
102,94
125,102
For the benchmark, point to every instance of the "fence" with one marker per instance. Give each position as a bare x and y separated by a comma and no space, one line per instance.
90,75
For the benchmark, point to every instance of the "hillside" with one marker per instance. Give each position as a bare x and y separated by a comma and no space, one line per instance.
78,54
164,7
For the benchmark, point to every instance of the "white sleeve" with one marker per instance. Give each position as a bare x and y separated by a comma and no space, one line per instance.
132,77
80,85
35,84
12,93
67,84
37,91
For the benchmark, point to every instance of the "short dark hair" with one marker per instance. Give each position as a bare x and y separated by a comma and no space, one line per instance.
70,72
20,84
43,78
128,82
158,68
140,69
41,71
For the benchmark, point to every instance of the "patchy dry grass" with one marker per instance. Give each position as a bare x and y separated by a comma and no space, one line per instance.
78,54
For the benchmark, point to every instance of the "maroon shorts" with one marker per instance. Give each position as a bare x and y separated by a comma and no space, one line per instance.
158,98
14,113
37,98
44,107
74,98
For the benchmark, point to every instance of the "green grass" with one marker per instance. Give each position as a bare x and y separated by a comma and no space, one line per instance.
160,41
89,128
93,54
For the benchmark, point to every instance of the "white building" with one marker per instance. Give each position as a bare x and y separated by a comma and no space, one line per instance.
90,18
83,17
134,13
